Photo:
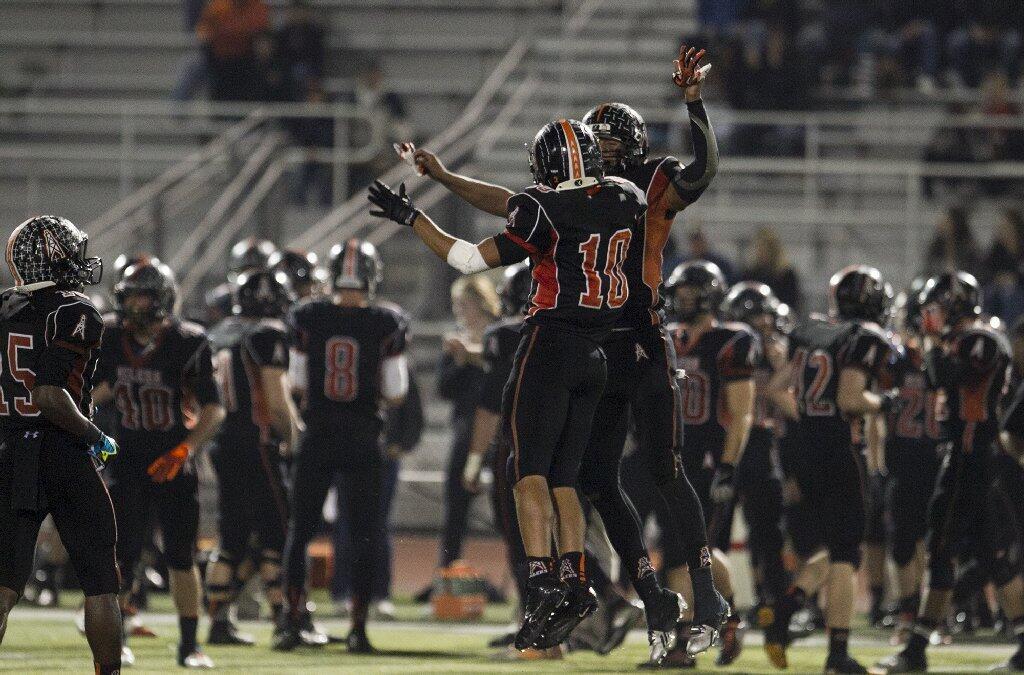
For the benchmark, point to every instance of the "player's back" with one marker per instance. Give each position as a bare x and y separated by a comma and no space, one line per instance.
579,236
30,321
244,349
724,353
974,375
345,347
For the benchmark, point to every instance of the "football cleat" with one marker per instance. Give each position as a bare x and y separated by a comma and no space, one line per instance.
285,639
663,614
580,602
775,620
358,643
732,640
194,660
901,662
544,594
704,632
843,664
127,657
225,632
670,654
622,616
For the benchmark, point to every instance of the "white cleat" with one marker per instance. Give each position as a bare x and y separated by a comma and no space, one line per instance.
127,657
702,638
197,660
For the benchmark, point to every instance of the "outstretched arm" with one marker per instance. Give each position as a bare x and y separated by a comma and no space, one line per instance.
691,182
487,197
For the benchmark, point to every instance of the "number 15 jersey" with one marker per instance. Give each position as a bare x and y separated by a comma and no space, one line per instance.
345,348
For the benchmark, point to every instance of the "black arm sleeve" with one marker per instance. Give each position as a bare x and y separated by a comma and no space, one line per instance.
691,181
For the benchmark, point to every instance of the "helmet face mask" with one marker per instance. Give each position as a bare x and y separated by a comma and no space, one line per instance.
859,292
356,265
755,304
621,124
151,280
694,288
947,299
516,289
264,294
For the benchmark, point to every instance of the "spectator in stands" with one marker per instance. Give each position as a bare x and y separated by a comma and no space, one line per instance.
192,68
951,143
953,247
1000,144
230,31
905,40
1002,274
460,372
301,42
315,135
769,265
700,249
988,38
372,97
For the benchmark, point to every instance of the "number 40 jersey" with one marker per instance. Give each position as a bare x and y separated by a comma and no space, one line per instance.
344,350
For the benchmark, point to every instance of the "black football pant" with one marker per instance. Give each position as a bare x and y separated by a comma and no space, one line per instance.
457,500
549,402
913,469
175,504
503,504
325,453
759,489
970,513
642,381
51,472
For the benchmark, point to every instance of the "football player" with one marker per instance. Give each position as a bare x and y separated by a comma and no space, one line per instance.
914,433
348,355
51,449
644,384
577,226
154,368
718,409
261,424
250,255
827,385
758,474
306,276
969,362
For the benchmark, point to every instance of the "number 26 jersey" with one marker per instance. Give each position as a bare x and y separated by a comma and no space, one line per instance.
345,348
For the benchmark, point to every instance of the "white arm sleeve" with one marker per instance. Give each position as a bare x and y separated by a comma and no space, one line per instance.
394,377
297,370
466,258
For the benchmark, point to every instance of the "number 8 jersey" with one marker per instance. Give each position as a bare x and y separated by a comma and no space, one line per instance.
156,386
344,350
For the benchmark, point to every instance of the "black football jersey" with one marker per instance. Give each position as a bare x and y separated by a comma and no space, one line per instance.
819,351
917,422
344,348
158,387
578,239
765,415
725,353
501,339
259,343
51,337
643,265
973,369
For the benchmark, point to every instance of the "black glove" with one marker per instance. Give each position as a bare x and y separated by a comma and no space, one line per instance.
890,402
722,488
396,207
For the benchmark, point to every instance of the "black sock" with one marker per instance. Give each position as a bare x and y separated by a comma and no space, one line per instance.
188,625
838,641
538,566
572,567
645,579
108,669
922,632
877,596
908,606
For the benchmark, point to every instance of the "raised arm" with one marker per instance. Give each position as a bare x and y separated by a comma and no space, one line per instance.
487,197
691,182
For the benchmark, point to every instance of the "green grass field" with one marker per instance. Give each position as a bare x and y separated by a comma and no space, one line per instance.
41,641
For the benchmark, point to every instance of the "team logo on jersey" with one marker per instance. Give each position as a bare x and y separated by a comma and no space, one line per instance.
512,215
79,328
640,353
537,567
644,567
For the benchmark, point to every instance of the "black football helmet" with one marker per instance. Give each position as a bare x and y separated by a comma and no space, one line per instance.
219,302
858,292
250,254
262,294
299,266
565,150
152,278
51,248
619,122
356,265
957,293
706,278
516,288
749,300
124,261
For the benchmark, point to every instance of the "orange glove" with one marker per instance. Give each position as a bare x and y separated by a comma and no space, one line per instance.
167,467
688,69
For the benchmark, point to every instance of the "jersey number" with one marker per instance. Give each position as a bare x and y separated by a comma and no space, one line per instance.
813,397
913,400
696,398
618,287
341,372
150,410
23,405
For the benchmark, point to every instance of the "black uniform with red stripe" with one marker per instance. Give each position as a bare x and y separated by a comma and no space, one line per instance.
50,337
914,432
726,352
972,368
578,237
156,388
827,466
246,456
344,350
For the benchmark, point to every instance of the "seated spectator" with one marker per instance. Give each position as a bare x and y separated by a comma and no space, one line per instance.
905,40
228,31
951,143
953,247
988,38
769,265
